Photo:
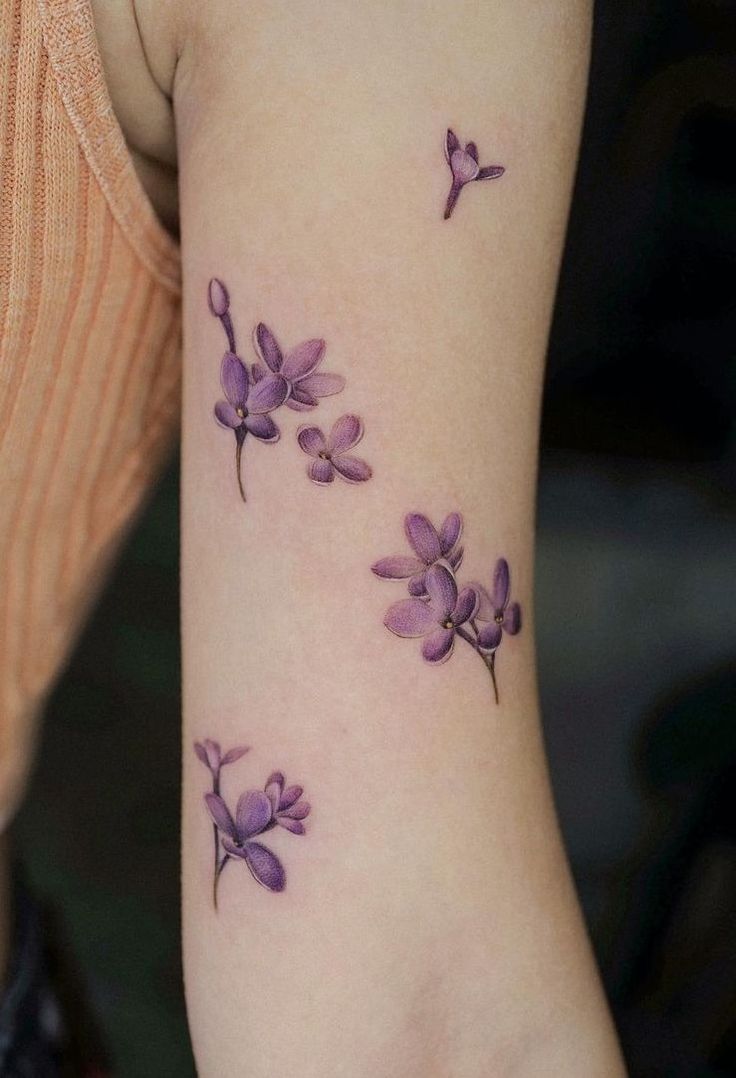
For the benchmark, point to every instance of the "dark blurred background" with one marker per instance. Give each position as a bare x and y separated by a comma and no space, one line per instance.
636,610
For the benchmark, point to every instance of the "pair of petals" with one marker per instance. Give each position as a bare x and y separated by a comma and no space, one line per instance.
437,619
210,753
330,454
464,162
299,369
288,811
252,816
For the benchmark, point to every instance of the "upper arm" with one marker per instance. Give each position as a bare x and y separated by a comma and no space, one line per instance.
412,936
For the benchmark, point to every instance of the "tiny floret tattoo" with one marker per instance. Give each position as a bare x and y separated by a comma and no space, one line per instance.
256,813
438,609
254,391
465,168
331,455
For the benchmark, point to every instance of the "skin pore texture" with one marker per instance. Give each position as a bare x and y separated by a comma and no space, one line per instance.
424,924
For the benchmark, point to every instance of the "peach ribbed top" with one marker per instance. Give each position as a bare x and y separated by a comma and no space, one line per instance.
90,335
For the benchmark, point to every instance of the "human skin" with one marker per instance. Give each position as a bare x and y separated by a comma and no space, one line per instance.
428,927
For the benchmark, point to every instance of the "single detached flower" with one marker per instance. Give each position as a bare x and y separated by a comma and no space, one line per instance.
438,619
252,817
211,755
298,369
465,168
494,608
286,808
429,546
245,410
331,454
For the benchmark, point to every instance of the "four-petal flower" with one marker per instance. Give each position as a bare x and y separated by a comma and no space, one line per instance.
501,615
465,168
252,817
331,454
298,369
429,545
437,619
248,403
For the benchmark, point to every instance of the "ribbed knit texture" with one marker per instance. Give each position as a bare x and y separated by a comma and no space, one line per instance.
89,350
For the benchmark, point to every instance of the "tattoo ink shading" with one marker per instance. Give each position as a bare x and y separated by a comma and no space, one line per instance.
331,455
465,168
438,610
253,393
256,813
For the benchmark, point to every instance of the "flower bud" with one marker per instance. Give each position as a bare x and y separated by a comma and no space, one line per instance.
218,298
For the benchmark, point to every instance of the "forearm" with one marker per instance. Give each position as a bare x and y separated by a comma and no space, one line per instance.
427,925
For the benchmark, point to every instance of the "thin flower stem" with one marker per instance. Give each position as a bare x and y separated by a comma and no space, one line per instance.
489,660
227,325
216,880
238,455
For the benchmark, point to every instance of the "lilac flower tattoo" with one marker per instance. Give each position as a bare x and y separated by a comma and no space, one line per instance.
440,611
331,455
465,168
253,393
256,813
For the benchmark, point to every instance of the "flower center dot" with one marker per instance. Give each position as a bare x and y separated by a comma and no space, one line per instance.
324,456
498,619
241,412
447,624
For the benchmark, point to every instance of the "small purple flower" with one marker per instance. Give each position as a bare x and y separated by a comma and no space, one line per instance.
331,454
218,299
465,168
436,620
252,817
298,369
494,608
210,753
429,545
286,808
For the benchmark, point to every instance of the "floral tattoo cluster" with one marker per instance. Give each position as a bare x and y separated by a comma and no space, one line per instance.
256,813
437,609
465,168
253,392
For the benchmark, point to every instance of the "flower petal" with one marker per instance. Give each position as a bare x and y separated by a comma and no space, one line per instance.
252,814
265,866
512,619
311,440
465,607
321,471
227,416
346,432
456,558
278,778
214,752
267,348
201,753
234,754
410,617
290,796
220,813
450,532
301,400
352,469
217,297
490,636
322,385
267,394
422,537
437,647
263,428
303,359
299,811
464,168
418,585
501,582
490,172
452,143
234,378
274,786
257,372
397,567
295,826
472,149
442,591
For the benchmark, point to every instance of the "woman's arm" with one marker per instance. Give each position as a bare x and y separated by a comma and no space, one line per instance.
424,924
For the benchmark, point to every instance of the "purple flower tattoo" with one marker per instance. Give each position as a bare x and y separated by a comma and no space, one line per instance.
256,813
331,455
440,611
465,168
253,393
